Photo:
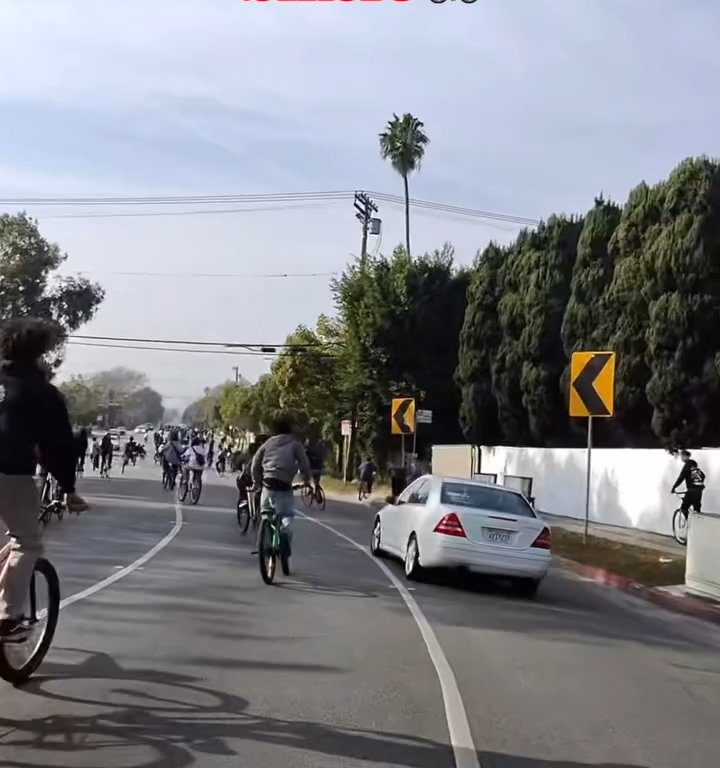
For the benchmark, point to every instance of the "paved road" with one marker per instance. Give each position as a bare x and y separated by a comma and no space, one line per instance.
189,659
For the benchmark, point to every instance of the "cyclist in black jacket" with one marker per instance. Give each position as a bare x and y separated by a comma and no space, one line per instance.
33,417
694,479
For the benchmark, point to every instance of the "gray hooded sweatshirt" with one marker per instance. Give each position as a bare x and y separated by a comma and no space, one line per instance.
279,458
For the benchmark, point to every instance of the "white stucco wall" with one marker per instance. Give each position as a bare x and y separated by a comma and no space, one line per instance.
630,488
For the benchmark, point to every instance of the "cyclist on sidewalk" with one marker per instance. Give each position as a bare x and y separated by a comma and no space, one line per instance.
367,472
32,414
274,466
694,479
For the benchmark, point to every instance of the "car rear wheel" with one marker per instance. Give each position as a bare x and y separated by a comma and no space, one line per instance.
413,570
375,545
526,587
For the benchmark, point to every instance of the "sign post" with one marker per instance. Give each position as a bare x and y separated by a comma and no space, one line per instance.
402,420
346,430
421,417
592,395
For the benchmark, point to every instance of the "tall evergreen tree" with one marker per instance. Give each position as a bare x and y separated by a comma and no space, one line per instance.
479,341
681,282
548,267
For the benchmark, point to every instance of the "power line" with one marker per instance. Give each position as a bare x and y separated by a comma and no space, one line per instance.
307,197
227,344
249,353
244,275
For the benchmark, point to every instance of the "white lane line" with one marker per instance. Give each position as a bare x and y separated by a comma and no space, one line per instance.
128,569
461,739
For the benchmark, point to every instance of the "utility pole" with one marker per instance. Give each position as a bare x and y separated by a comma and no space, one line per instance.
237,373
364,207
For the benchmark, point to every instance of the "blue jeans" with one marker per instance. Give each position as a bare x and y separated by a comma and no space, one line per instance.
283,504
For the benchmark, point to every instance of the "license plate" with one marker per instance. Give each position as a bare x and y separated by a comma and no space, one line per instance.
497,535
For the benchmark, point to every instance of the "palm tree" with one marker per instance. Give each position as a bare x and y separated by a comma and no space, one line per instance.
403,143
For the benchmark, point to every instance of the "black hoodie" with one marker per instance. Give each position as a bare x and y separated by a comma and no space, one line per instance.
33,413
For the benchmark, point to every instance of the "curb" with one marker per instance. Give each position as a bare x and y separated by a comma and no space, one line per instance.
686,604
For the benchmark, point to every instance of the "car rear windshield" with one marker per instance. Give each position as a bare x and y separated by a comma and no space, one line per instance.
486,498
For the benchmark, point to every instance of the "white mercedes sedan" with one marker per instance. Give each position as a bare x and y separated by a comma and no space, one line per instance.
447,522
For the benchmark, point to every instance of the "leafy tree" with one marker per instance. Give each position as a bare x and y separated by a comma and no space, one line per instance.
403,143
401,319
624,316
144,406
681,283
548,264
479,341
28,285
85,401
592,274
306,377
206,410
508,363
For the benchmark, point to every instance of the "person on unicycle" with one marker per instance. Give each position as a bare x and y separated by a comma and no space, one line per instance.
32,414
694,479
274,467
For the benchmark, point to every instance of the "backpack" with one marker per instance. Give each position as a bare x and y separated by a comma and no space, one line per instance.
697,477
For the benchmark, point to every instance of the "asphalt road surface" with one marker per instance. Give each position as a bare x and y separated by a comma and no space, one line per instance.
171,652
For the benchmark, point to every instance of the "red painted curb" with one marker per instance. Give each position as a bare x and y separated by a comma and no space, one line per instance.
690,606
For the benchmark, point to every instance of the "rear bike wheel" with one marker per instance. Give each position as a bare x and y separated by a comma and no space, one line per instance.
243,516
18,660
680,527
45,514
320,498
306,494
182,488
267,551
195,489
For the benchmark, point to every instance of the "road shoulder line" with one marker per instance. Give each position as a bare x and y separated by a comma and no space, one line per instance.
128,569
461,740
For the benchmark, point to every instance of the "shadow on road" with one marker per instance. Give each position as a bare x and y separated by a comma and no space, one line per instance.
497,760
169,720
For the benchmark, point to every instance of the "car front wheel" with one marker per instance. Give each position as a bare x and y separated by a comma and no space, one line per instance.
413,570
375,546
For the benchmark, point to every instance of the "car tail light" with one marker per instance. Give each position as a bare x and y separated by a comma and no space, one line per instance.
543,539
450,525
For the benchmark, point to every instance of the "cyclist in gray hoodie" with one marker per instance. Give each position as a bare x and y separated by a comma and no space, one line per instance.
274,466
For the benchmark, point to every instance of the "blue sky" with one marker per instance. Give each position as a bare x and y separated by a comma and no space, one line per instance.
532,106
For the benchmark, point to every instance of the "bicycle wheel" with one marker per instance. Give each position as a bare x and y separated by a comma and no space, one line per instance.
267,552
320,498
19,660
306,494
58,509
45,514
182,489
195,489
243,516
680,527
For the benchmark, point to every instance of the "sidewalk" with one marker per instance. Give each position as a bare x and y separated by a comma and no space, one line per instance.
655,541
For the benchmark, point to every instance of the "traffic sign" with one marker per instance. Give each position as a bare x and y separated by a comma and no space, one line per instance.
402,416
424,417
346,428
592,384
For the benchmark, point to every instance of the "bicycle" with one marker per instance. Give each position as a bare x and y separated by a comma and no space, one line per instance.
169,475
248,511
272,544
13,668
105,468
680,522
313,495
194,485
51,500
363,490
